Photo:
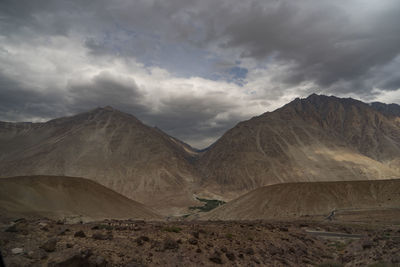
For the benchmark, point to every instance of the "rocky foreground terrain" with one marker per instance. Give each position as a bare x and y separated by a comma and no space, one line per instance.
43,242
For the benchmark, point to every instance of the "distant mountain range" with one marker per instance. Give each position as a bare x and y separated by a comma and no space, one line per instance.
319,138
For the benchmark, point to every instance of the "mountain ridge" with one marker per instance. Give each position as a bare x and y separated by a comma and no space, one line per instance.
105,145
311,139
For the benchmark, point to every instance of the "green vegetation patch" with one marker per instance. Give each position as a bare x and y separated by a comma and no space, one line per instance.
172,229
210,204
330,264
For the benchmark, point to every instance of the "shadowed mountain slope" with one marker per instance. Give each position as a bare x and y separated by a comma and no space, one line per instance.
319,198
319,138
60,197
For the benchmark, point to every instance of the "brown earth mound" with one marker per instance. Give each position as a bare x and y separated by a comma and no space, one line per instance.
66,197
296,200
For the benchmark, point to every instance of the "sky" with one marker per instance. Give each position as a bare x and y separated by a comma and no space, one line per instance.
193,68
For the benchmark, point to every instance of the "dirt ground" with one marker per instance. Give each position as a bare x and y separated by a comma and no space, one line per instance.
44,242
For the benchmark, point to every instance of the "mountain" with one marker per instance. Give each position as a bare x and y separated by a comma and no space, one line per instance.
320,138
61,197
108,146
391,110
295,200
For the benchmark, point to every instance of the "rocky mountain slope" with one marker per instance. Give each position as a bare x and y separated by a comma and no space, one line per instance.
109,147
66,197
319,138
295,200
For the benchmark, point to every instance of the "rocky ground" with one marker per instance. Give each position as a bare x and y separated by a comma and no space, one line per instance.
43,242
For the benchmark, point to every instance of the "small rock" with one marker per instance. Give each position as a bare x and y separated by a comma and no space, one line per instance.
193,241
198,250
97,261
80,234
50,245
20,220
38,254
139,241
145,238
68,258
170,244
396,259
249,251
69,245
42,224
216,258
62,232
224,249
367,244
86,252
17,251
196,235
100,236
283,229
230,256
12,229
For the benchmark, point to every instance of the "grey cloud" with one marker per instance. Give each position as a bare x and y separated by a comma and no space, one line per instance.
322,41
194,119
105,89
18,103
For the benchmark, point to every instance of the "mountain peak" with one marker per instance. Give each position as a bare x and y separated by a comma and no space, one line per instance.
109,108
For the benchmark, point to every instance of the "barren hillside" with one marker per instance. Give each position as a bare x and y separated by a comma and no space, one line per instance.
66,197
295,200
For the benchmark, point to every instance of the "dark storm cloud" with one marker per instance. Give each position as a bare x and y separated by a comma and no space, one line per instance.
193,118
323,41
105,89
18,103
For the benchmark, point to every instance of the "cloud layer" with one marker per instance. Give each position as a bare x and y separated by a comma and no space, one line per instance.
193,68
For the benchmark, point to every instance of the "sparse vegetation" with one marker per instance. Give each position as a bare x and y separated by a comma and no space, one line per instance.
330,264
381,264
210,204
340,246
172,229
